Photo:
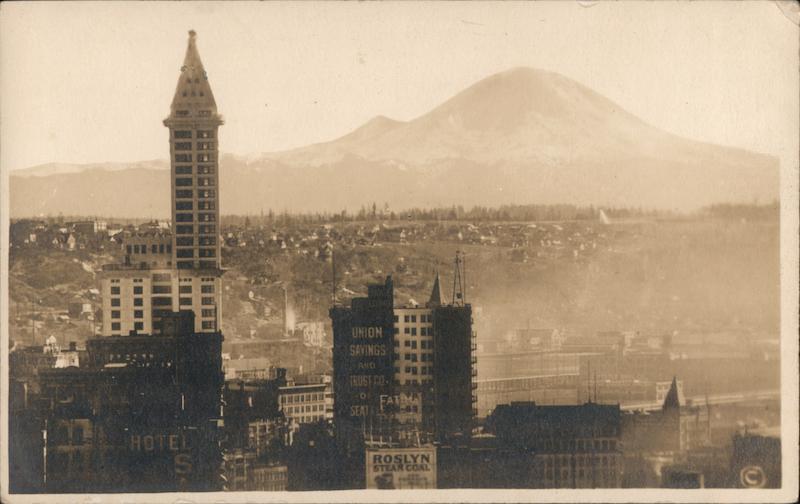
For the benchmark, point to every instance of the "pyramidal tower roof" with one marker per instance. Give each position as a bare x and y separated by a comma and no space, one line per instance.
193,92
436,293
672,400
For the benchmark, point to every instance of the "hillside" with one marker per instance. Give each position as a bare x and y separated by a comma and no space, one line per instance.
520,136
701,275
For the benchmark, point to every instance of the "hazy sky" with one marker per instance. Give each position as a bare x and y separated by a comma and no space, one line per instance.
91,82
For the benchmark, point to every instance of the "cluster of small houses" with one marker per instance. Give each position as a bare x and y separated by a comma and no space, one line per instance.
524,239
92,235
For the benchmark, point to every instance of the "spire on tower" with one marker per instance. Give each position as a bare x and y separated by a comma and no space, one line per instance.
436,294
672,400
193,93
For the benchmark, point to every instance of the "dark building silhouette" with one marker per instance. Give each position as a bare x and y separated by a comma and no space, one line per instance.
362,364
674,428
454,370
142,415
756,461
570,446
403,375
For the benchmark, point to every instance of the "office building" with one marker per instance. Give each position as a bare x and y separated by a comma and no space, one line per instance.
165,272
142,414
570,446
193,126
403,374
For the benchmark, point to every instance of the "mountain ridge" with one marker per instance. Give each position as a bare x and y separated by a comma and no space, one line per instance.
519,136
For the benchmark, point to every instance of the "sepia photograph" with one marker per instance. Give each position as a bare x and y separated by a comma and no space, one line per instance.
538,251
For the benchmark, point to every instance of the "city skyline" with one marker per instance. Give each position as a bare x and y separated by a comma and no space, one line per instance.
580,346
275,104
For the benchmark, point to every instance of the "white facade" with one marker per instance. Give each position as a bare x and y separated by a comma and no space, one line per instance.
306,403
133,299
413,345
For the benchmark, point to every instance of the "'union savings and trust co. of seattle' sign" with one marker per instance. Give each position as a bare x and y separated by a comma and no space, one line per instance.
369,369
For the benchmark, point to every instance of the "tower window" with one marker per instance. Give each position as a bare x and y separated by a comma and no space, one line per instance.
205,134
183,193
183,217
208,301
182,134
183,145
184,229
207,253
183,170
185,253
183,158
183,182
203,157
184,241
183,205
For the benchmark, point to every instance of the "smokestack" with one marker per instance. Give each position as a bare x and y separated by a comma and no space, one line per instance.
285,312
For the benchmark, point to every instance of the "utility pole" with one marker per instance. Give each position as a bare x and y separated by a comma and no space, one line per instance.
33,322
458,280
333,275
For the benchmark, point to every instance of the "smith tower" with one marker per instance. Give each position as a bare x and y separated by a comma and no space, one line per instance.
193,124
164,272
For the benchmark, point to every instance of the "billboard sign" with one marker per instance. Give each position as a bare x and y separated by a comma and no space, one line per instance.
401,468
